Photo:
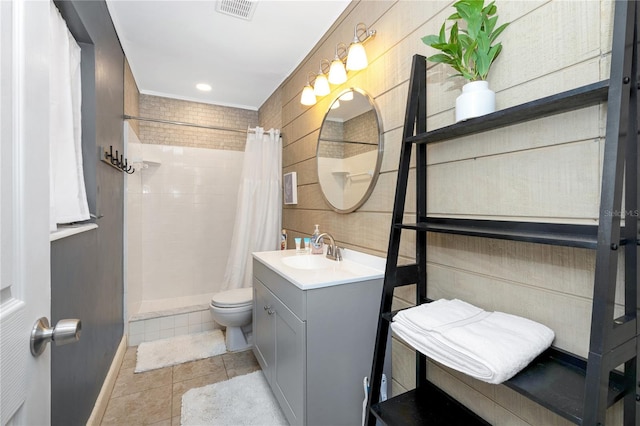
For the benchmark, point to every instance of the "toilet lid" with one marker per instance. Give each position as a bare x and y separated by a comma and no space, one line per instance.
235,297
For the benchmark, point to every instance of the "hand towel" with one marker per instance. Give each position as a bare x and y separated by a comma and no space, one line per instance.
490,346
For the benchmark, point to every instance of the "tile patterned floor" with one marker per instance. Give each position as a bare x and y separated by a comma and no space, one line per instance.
155,397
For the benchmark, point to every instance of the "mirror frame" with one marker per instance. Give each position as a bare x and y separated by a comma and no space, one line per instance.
376,171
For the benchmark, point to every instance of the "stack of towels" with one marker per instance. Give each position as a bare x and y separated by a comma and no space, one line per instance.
490,346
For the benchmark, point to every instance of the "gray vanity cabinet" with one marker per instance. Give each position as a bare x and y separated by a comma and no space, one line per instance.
279,344
315,346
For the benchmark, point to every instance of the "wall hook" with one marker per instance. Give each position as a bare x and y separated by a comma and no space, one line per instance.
117,161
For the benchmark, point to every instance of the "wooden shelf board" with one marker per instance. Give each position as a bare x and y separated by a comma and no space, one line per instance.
556,380
584,236
570,100
428,405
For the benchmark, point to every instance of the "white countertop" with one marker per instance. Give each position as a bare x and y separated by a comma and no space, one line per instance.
355,266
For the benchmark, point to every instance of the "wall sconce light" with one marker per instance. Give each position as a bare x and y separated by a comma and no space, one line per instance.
335,105
337,72
321,86
357,56
308,96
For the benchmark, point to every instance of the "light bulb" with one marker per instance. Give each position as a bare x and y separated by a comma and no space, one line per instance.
357,57
347,96
335,105
337,73
321,85
308,97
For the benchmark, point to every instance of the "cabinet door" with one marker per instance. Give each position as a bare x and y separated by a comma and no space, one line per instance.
264,347
289,372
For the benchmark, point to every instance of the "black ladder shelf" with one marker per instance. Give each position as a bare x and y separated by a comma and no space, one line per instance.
577,389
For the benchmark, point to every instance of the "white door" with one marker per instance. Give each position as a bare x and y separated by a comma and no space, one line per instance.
25,292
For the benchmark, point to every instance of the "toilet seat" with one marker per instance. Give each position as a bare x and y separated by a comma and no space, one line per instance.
233,298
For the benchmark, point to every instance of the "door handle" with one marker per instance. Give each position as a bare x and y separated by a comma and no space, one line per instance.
65,331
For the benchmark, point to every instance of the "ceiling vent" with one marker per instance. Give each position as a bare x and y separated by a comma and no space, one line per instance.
238,8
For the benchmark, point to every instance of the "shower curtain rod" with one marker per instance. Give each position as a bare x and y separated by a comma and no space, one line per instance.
181,123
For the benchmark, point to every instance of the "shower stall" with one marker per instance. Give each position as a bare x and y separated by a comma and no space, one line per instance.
179,214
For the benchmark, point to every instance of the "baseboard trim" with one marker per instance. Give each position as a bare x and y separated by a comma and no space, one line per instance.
107,386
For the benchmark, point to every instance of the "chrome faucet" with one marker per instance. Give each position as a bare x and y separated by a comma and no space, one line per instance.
333,251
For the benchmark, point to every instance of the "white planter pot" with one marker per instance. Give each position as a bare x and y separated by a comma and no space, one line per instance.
476,100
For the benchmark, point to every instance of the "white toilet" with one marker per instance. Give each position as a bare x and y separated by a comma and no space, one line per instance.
232,309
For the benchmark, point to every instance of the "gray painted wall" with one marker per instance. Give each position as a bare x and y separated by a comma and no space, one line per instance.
87,269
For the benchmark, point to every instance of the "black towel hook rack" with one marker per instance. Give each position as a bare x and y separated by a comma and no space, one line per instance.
117,161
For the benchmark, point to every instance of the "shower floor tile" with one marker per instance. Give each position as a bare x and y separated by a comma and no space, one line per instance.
155,397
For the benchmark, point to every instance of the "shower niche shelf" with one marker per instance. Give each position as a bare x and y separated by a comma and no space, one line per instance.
145,164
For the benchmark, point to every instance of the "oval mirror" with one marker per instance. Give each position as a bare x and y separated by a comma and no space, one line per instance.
349,151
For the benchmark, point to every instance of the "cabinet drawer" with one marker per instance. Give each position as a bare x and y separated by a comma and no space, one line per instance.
293,297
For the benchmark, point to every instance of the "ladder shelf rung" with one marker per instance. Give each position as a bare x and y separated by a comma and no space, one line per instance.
570,235
427,405
580,97
556,380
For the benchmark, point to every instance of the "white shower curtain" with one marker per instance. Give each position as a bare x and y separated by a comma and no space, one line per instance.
258,213
68,198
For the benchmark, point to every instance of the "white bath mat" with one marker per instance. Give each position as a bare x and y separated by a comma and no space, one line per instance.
243,400
179,349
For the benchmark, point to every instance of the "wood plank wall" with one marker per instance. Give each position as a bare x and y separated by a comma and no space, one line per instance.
547,170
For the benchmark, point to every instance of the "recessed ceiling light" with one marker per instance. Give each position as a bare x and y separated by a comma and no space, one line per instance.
203,86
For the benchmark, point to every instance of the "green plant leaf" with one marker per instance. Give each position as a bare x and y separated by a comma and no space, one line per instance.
494,52
465,10
453,33
498,31
430,40
490,9
482,66
483,44
469,49
440,58
441,34
489,24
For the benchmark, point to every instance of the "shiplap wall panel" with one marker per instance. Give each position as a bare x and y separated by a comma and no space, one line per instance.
307,173
404,371
567,270
392,144
300,150
560,155
572,34
551,182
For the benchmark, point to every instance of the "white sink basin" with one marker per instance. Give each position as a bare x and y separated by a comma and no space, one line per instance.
309,271
309,261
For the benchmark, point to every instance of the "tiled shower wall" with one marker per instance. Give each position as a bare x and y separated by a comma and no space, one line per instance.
188,212
181,211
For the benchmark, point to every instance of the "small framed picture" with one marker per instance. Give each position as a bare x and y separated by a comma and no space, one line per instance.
290,183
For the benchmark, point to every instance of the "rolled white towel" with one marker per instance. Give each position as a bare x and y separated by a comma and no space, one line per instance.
490,346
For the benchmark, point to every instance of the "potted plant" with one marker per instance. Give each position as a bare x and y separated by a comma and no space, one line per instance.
470,50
